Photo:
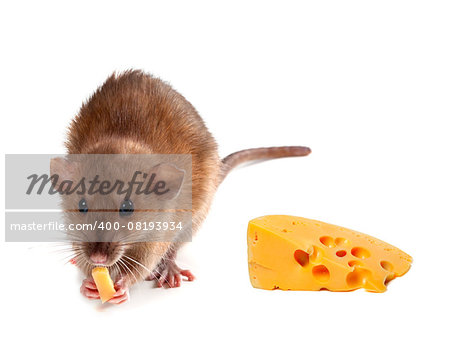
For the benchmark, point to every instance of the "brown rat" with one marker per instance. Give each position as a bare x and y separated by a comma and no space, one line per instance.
135,113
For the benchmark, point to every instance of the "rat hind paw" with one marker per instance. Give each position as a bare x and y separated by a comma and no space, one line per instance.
170,275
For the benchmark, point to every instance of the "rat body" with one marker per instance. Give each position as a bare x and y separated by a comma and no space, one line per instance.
135,113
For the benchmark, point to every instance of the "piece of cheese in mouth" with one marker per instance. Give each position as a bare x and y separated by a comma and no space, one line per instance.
104,283
294,253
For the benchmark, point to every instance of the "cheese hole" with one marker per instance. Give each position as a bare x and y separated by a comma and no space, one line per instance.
314,254
353,263
321,273
386,265
327,241
389,278
358,277
360,253
340,241
301,257
341,253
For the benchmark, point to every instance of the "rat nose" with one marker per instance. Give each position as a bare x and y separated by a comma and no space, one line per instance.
98,258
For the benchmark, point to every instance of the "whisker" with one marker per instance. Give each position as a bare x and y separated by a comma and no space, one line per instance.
135,268
123,263
134,260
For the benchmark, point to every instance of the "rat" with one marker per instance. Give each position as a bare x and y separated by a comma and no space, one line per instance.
136,113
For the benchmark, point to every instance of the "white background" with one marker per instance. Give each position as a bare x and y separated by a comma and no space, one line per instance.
364,84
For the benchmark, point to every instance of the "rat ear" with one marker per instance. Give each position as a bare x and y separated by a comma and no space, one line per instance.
61,170
172,177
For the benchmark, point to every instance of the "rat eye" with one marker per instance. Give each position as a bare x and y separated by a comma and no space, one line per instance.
126,208
82,206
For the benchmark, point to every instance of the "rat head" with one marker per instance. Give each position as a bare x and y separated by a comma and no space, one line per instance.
108,198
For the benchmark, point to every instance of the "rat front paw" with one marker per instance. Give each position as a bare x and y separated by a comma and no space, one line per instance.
89,289
122,292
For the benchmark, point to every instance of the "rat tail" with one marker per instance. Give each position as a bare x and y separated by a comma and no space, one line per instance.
246,155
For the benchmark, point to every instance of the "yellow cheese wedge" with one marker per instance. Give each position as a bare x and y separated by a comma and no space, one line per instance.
294,253
104,283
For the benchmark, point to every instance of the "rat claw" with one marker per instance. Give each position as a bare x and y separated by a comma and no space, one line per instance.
177,280
89,284
188,274
170,282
